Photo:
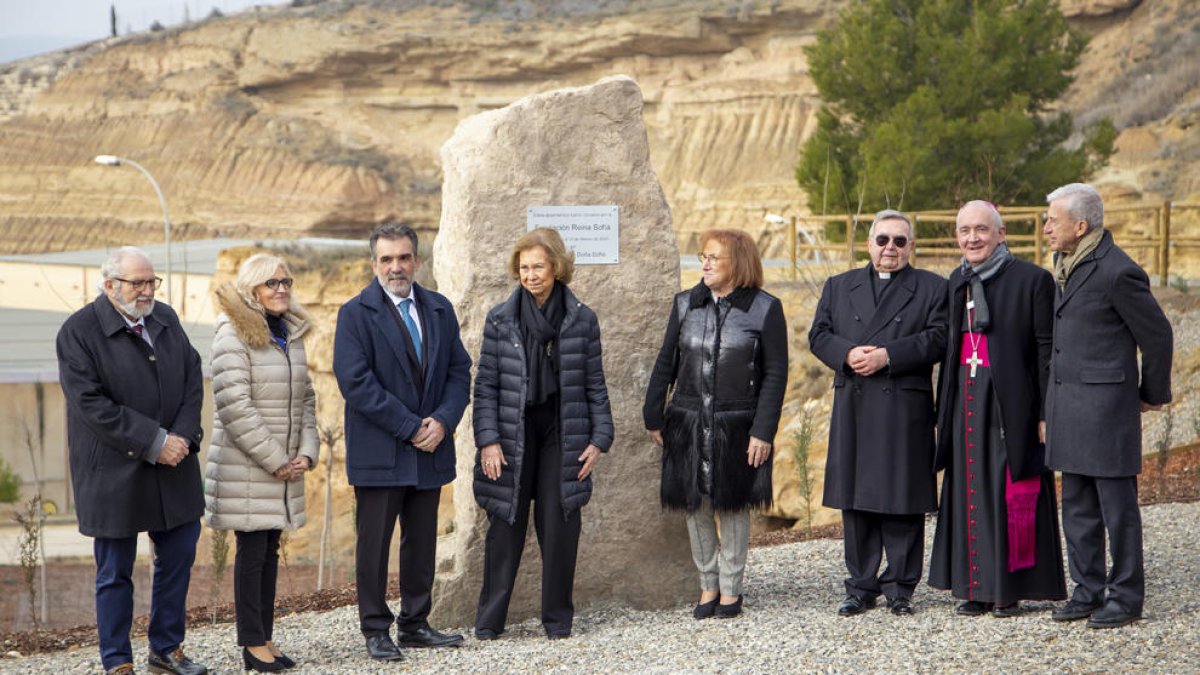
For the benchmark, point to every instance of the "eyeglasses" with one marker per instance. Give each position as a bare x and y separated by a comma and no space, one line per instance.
139,284
274,284
882,240
710,258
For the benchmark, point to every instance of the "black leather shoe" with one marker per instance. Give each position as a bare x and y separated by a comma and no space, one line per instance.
854,605
728,611
1111,616
253,663
175,663
705,610
1007,611
487,634
900,606
428,638
381,648
558,636
973,608
1073,611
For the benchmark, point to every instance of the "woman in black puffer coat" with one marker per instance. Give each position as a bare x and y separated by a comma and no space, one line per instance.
725,352
541,421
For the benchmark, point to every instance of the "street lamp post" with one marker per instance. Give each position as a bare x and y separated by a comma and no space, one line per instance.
113,160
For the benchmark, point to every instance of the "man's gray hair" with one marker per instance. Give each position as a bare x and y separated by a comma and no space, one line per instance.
111,268
891,214
393,231
997,221
1083,203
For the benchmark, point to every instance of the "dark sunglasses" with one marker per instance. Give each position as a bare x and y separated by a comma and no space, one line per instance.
882,240
274,284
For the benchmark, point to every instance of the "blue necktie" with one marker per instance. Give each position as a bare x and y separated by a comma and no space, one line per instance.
412,327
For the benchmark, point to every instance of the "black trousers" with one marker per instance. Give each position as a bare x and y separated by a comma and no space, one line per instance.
255,569
557,534
376,512
866,535
1090,508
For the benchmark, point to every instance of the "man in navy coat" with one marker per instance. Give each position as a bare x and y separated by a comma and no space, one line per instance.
134,389
405,375
880,328
1103,315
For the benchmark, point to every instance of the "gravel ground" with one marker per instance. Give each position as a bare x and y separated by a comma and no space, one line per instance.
789,625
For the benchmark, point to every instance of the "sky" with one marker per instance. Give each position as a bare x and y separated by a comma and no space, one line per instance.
29,27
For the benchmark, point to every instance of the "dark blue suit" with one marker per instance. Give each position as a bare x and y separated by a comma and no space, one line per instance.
388,392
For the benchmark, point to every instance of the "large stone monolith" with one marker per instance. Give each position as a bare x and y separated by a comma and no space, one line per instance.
584,146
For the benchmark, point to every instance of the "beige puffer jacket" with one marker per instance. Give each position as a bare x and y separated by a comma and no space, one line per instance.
265,416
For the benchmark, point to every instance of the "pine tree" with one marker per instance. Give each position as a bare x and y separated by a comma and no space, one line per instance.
929,103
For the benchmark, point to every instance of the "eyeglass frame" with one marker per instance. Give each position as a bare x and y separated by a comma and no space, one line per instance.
274,284
710,258
900,240
139,284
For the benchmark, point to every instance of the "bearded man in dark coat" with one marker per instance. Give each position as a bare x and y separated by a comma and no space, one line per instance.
1104,314
881,328
134,389
996,541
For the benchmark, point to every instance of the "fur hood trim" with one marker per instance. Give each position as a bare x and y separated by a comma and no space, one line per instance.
249,322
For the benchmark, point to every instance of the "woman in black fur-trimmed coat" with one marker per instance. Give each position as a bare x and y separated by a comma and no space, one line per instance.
541,420
725,352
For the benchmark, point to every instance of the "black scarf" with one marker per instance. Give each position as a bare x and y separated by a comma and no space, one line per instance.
539,328
278,329
975,275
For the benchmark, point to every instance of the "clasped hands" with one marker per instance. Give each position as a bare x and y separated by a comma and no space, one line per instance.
867,360
295,468
429,436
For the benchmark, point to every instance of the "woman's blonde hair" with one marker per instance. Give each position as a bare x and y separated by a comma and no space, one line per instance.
254,272
745,265
561,259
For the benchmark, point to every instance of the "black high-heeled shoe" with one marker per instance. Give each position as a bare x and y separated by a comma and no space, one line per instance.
287,662
252,663
704,610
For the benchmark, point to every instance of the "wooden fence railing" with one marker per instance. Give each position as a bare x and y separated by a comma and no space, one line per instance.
1144,227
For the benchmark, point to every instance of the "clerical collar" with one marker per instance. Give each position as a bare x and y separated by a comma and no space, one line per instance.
885,275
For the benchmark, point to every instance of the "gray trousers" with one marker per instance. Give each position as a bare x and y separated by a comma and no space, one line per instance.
720,558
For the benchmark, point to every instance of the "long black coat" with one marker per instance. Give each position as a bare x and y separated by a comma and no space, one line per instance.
728,365
881,435
1021,302
1093,400
584,415
122,397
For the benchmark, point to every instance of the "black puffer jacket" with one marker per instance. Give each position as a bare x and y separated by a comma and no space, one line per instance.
499,412
728,363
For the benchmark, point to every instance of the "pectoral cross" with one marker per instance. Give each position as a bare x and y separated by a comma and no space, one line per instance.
974,361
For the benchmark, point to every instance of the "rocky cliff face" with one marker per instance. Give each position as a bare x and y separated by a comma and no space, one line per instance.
326,118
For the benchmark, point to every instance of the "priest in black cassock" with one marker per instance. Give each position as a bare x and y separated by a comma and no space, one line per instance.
881,328
997,540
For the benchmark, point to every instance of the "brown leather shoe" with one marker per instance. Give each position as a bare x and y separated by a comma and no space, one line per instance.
123,669
175,663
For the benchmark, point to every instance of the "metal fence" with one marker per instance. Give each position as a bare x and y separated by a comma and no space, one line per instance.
1145,231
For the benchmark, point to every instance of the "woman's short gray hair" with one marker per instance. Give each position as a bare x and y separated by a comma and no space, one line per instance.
1083,203
254,272
890,214
111,267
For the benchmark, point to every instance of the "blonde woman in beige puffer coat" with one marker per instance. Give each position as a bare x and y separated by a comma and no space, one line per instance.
264,440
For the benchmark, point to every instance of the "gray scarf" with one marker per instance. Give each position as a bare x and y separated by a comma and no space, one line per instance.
975,275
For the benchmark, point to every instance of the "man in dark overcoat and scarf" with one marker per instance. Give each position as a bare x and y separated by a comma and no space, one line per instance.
881,328
1104,314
